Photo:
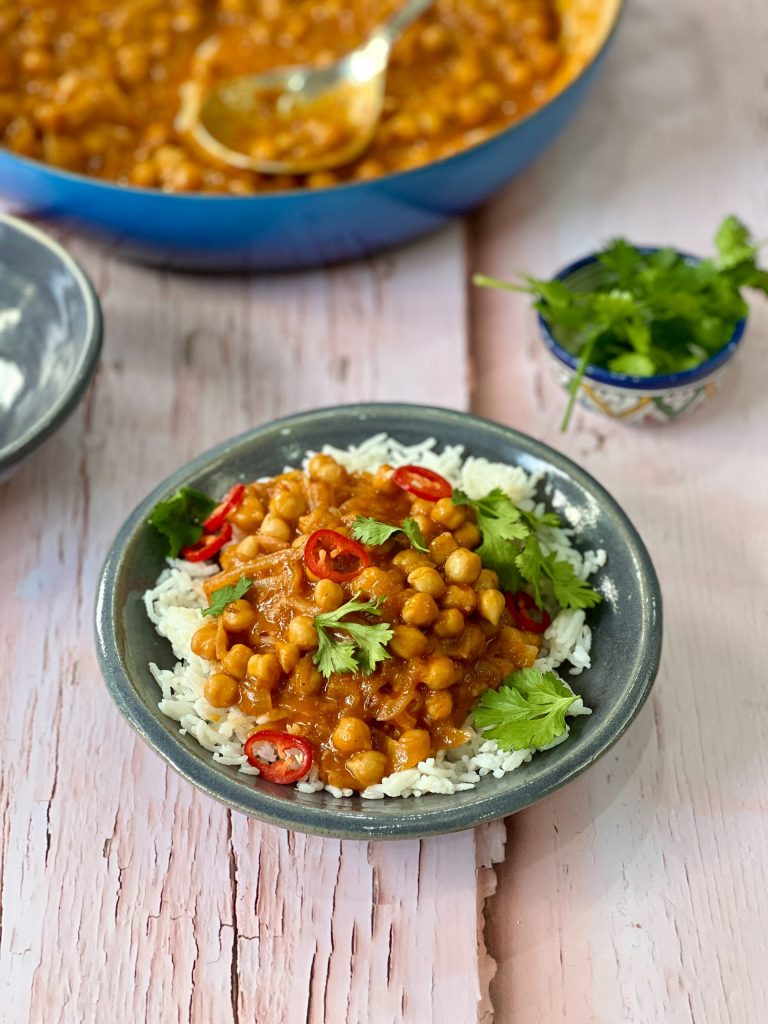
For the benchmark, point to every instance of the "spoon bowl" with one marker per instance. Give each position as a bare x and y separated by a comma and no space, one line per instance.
298,119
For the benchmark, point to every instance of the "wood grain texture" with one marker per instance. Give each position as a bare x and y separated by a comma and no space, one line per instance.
639,893
124,894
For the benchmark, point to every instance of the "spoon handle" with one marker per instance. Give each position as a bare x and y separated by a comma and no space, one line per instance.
402,19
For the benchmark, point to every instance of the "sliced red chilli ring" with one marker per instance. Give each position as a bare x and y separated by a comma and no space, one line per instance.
292,760
332,556
422,482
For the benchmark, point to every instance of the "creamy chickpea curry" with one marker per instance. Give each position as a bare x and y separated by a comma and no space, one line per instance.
94,86
358,619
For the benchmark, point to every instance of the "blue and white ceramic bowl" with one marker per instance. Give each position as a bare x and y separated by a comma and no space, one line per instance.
50,338
659,399
309,227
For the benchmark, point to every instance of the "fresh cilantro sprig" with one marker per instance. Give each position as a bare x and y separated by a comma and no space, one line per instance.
511,547
526,712
366,646
372,531
180,518
224,596
648,313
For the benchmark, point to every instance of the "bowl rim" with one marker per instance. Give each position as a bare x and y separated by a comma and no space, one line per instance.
394,178
88,355
329,821
658,382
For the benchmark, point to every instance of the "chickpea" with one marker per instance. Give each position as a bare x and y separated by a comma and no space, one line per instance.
421,507
276,527
239,616
302,632
305,679
248,548
412,746
426,580
490,604
438,705
287,503
382,479
449,515
467,535
450,622
235,661
409,560
350,735
368,767
440,672
463,566
407,642
221,690
461,596
428,526
265,670
419,610
288,655
228,557
487,580
249,514
203,642
441,547
323,467
328,595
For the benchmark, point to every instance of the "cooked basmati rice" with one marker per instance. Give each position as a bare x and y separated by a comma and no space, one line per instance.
174,604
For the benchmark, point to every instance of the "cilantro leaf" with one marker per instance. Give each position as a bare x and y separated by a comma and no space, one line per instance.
569,590
511,548
180,518
499,523
366,648
412,530
334,655
733,243
526,712
371,531
224,596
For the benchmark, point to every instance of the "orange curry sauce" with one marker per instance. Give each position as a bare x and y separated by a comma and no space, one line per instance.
453,636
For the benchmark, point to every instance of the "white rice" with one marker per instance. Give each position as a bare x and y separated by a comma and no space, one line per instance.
174,604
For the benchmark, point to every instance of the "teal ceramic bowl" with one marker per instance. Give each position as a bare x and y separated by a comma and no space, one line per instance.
626,625
50,339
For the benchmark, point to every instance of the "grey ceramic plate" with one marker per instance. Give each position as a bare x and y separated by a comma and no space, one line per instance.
626,626
50,338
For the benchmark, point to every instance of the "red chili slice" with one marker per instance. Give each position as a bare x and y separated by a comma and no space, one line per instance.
422,482
208,545
228,504
294,756
526,613
332,556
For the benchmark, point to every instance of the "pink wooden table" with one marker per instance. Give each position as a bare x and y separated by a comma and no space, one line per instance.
637,894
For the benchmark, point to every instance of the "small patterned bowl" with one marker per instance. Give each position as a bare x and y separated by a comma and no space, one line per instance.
659,399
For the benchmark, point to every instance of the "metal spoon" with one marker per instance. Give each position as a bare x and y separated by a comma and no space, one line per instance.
240,120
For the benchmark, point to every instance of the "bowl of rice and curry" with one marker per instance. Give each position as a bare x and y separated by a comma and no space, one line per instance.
90,127
379,621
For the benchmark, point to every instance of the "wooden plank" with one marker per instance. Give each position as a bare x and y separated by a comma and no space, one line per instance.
125,894
638,894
